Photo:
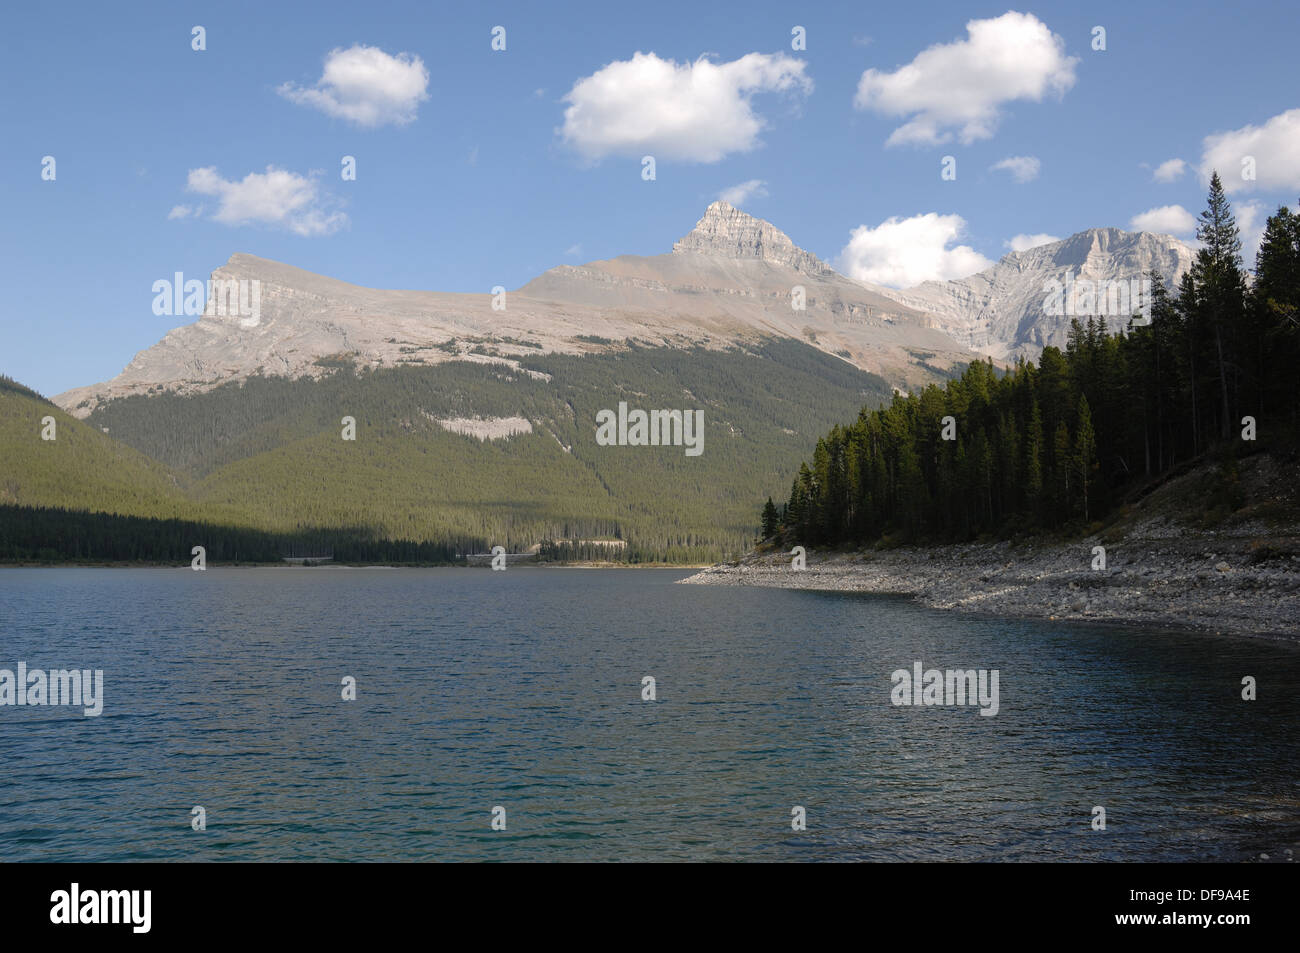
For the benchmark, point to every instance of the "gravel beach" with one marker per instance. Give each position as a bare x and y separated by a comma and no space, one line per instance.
1219,583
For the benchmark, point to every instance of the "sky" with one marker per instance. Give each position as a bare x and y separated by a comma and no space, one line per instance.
127,155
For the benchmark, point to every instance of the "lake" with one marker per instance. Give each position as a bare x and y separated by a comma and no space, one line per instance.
522,690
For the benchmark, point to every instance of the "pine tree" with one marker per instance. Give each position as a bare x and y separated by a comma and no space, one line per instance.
1220,284
1061,464
1085,451
1033,461
1275,309
770,519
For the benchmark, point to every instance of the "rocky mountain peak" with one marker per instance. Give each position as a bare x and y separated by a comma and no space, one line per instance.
1001,312
1106,249
727,232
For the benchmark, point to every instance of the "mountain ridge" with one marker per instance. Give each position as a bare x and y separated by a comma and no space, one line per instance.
999,313
730,282
726,231
733,280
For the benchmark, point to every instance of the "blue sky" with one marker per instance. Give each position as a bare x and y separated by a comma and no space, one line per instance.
478,178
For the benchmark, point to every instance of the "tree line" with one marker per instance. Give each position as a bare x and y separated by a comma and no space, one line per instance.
39,534
268,454
1058,444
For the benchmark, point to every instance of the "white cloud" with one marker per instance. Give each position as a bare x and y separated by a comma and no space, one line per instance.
275,197
902,252
1275,147
963,85
740,194
573,251
1022,242
183,211
1166,220
1251,218
1169,170
695,112
1022,168
367,86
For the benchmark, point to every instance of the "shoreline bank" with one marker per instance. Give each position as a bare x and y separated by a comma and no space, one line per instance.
1210,583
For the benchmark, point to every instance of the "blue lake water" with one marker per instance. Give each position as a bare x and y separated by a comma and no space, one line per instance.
522,689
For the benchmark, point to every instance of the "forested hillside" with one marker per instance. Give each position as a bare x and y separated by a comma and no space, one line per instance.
78,467
267,454
1057,445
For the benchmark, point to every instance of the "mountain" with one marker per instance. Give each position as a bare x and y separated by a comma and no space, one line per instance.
460,455
79,467
727,283
477,426
727,232
1000,311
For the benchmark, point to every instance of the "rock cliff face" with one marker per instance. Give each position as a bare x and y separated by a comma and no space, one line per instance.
732,281
1000,311
727,232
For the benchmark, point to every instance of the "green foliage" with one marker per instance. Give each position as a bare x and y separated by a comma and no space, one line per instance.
81,468
771,519
267,455
50,535
10,386
1040,448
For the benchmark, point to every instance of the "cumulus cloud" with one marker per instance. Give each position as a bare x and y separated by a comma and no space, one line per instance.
276,197
367,86
963,85
1022,168
1275,147
1023,242
183,211
902,252
742,193
1166,220
1169,170
1251,218
695,112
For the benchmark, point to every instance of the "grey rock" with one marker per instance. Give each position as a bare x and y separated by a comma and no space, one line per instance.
999,311
727,232
727,283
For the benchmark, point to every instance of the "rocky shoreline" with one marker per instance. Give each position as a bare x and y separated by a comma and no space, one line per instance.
1227,584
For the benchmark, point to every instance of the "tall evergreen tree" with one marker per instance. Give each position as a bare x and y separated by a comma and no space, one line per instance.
770,519
1033,461
1220,284
1275,307
1085,451
1062,465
